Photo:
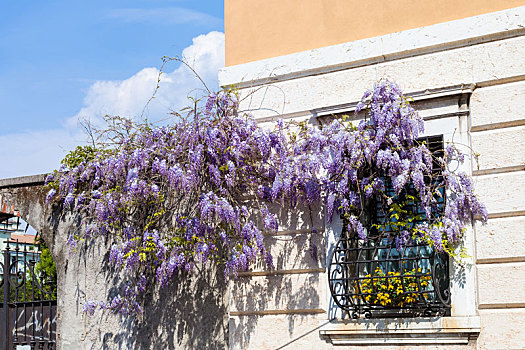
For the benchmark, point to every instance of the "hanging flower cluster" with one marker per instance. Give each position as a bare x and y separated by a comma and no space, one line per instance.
356,167
197,190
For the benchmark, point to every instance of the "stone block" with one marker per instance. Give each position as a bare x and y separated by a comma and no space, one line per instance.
499,148
497,104
502,329
279,292
501,238
501,284
277,332
298,219
295,251
501,192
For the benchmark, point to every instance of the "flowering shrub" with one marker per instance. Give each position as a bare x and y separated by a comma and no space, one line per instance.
197,190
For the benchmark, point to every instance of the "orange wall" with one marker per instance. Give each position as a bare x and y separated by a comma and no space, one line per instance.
257,29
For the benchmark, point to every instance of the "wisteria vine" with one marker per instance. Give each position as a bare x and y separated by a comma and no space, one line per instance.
199,190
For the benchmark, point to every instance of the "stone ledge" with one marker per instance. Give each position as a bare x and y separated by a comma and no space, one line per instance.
23,181
436,330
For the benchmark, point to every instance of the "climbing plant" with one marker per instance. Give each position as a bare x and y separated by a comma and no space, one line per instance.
199,190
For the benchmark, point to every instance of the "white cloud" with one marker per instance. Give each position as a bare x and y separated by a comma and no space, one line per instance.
40,151
129,97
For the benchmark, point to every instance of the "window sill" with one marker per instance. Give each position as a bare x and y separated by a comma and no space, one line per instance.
401,331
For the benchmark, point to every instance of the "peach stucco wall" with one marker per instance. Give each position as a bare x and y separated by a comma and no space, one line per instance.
258,29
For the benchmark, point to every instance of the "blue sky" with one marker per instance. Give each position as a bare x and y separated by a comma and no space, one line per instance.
65,60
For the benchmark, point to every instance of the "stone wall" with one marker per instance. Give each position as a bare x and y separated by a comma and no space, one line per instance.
190,313
498,134
478,62
270,308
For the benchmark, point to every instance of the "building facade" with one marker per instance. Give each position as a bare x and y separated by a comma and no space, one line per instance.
462,63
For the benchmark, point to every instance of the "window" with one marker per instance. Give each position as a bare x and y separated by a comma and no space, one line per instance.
446,112
381,277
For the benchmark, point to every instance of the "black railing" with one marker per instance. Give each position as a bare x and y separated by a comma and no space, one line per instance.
373,278
27,299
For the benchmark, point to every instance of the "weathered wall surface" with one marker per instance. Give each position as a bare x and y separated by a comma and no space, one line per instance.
291,310
190,313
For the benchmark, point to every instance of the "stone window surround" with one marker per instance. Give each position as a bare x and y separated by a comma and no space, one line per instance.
446,112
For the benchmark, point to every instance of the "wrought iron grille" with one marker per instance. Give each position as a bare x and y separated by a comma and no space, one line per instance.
27,299
373,278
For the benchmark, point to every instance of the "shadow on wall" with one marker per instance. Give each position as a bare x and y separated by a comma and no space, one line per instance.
291,250
190,313
298,339
243,328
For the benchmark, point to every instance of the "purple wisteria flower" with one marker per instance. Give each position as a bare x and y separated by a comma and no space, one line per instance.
170,198
90,307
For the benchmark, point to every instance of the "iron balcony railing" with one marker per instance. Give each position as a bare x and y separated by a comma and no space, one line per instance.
373,278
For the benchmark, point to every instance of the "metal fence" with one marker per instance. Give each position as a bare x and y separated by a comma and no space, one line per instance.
27,299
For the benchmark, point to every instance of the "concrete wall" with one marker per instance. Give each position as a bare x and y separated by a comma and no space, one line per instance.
190,313
480,59
257,29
